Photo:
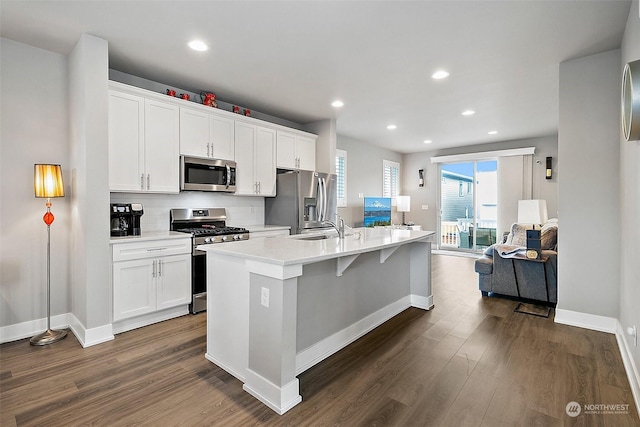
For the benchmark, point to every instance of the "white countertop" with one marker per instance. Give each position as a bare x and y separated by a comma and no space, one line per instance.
288,250
149,236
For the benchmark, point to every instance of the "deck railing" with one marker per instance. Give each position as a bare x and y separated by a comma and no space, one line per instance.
449,235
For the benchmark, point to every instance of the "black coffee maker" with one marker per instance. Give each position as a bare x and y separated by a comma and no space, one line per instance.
125,219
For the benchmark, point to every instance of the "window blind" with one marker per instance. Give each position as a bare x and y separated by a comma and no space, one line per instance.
391,176
341,177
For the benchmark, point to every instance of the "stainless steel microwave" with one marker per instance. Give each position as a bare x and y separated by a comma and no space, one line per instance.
207,174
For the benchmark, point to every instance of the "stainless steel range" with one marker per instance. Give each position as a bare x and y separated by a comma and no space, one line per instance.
206,226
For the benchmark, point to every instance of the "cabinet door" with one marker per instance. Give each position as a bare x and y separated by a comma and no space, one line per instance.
194,133
126,141
265,164
245,180
134,288
222,138
162,136
306,153
286,151
174,281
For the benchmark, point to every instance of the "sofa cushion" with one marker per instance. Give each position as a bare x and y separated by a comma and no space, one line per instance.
484,265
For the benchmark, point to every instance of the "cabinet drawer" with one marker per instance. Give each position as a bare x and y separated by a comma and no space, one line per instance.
156,248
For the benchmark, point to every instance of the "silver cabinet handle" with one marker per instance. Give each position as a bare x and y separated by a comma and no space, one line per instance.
148,182
208,155
259,187
142,181
159,268
153,272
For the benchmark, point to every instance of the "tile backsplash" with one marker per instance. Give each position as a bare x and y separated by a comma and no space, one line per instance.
241,211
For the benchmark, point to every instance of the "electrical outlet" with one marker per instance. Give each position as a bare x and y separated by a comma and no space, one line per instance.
264,297
425,207
633,331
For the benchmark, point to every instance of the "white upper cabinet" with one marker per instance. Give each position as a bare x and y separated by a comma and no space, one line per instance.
204,134
255,158
295,151
143,144
161,130
126,141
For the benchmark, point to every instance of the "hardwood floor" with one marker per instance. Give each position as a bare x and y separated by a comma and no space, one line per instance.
471,361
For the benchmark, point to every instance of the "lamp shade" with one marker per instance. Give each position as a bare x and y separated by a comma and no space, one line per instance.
532,211
403,203
47,181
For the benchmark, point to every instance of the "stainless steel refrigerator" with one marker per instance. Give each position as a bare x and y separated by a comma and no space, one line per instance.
303,201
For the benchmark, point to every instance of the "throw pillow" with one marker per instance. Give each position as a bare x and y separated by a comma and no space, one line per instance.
549,236
518,234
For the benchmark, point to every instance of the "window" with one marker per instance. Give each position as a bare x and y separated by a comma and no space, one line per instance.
391,177
341,181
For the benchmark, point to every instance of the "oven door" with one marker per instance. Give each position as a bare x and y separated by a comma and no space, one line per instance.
198,282
207,174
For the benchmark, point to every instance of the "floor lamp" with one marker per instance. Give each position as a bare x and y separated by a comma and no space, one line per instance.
47,183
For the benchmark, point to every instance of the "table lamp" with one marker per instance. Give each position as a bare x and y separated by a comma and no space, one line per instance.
532,212
48,184
403,205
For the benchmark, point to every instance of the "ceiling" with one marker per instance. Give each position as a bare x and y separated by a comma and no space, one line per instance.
291,59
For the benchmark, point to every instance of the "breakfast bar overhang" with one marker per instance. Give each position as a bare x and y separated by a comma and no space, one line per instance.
277,306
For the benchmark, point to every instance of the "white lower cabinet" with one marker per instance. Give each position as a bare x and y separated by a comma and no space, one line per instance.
149,277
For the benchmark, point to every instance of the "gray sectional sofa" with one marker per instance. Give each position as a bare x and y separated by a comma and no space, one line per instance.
521,278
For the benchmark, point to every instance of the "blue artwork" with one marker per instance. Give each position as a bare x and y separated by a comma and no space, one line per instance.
377,211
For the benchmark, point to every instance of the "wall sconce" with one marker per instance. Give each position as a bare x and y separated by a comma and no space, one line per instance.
549,168
421,178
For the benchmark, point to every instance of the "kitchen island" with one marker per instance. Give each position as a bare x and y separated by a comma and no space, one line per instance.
278,306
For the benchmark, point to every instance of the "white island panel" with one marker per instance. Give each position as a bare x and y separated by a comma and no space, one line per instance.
278,306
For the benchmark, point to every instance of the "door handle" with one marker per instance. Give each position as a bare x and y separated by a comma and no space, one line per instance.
159,268
148,182
153,270
142,181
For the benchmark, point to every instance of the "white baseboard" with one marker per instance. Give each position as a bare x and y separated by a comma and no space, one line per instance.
227,368
90,337
321,350
149,319
630,365
586,321
30,328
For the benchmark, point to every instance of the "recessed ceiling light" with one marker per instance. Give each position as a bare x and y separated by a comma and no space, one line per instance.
492,132
391,127
198,45
468,113
428,141
439,75
337,103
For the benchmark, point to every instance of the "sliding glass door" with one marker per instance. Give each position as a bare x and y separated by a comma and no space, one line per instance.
468,205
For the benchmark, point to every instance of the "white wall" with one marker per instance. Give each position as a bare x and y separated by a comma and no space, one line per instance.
34,129
589,202
542,188
364,175
630,201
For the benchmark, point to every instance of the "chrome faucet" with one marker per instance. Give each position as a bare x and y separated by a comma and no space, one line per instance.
339,227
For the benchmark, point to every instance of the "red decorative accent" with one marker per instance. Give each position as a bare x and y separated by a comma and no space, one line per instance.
48,218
